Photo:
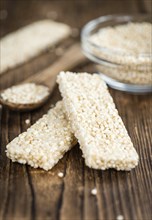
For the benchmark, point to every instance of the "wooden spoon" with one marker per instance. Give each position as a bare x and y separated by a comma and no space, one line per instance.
71,58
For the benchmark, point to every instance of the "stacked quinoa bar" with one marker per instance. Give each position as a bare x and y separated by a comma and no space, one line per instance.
86,113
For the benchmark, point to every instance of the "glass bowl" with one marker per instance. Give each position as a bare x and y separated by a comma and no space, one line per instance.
121,71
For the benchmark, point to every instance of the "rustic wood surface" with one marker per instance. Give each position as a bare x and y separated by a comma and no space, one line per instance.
27,193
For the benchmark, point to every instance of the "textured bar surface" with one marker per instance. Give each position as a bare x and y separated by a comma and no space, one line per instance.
95,122
27,42
45,142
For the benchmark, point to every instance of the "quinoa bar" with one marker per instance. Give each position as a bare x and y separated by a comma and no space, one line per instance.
45,142
28,42
95,122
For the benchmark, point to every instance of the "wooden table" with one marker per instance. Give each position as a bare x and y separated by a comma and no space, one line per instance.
27,193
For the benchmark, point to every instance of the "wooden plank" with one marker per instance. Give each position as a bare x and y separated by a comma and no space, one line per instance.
15,177
72,195
148,6
145,6
4,162
133,118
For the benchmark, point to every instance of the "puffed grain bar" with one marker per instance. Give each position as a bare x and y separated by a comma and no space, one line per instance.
95,122
29,41
45,142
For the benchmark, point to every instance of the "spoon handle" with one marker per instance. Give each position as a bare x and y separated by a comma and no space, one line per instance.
71,58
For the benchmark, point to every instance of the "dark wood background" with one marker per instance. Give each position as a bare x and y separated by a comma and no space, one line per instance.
27,193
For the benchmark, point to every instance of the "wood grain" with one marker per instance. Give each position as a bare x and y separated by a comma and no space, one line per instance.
47,77
33,194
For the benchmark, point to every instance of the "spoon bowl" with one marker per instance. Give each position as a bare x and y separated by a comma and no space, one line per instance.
22,107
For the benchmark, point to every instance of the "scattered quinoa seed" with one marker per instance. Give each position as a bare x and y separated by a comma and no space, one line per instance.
60,174
94,191
120,217
27,121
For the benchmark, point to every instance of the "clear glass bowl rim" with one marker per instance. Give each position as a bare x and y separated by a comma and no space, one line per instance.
91,25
